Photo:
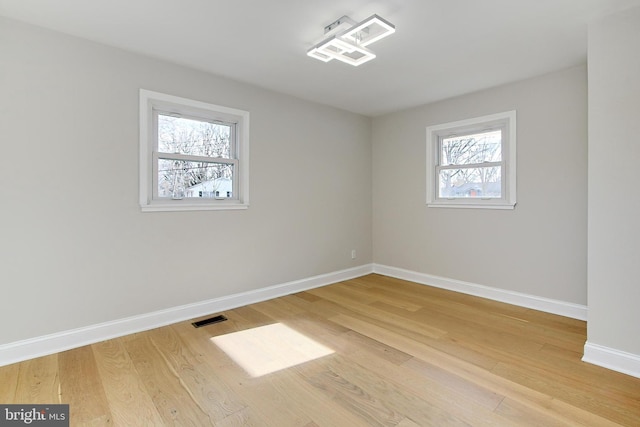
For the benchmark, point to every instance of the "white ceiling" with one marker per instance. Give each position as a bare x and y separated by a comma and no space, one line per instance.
441,48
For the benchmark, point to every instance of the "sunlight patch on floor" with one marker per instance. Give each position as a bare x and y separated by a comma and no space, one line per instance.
266,349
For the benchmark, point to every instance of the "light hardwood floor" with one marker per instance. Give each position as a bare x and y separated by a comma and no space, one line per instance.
399,354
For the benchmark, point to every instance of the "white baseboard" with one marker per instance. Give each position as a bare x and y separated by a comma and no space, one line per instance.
61,341
621,361
562,308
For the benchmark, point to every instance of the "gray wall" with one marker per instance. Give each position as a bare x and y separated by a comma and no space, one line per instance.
614,205
75,248
540,248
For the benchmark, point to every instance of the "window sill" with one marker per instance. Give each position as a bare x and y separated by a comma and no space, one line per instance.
186,206
504,206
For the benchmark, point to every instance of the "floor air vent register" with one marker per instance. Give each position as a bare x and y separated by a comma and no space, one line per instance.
209,321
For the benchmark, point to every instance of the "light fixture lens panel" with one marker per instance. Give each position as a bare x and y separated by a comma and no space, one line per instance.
370,30
347,52
337,45
314,53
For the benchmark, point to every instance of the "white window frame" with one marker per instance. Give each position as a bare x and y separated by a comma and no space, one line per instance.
505,121
152,103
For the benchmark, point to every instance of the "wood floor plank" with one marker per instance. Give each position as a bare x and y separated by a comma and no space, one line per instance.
434,395
462,330
307,296
321,331
366,292
278,309
407,423
200,380
516,412
344,293
174,404
240,318
81,387
9,381
325,308
321,408
38,381
245,417
428,407
316,325
353,305
354,399
363,325
128,398
363,343
547,383
266,402
554,352
445,382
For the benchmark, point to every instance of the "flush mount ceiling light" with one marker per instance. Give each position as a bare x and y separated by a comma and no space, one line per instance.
346,40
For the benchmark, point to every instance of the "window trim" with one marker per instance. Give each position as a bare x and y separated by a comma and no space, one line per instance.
153,102
506,120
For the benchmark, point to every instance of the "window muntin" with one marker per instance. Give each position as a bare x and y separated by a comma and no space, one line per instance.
471,163
193,155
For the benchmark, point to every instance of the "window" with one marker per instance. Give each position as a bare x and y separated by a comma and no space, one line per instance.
193,155
472,163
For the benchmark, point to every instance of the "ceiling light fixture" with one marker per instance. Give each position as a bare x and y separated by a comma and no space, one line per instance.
346,40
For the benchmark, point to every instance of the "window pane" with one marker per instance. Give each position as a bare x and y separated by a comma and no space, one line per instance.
193,137
179,179
470,149
470,182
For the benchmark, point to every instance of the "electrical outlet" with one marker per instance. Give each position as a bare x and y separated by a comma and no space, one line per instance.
353,254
